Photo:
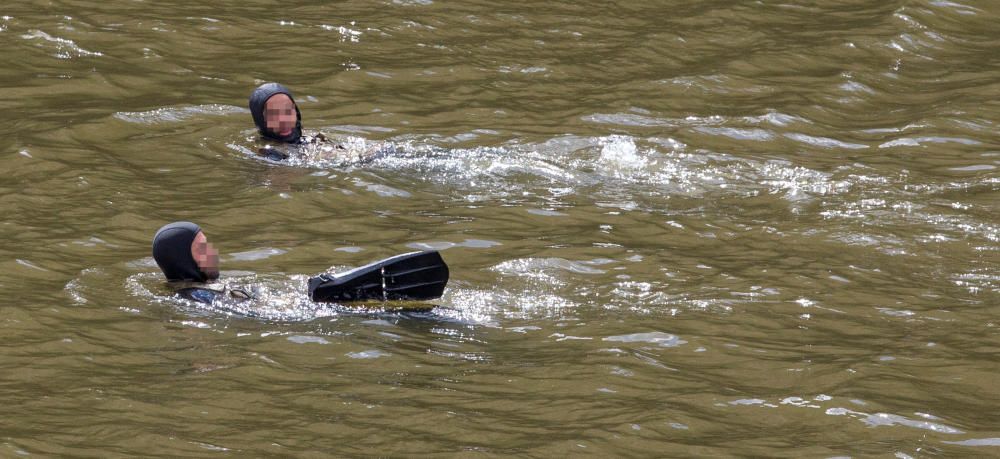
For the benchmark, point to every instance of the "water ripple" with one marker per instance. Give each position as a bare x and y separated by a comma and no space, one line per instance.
176,114
65,48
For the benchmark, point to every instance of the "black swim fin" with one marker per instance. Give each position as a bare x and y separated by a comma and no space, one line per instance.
410,276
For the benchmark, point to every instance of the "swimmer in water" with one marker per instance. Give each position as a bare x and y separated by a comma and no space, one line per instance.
275,113
278,118
183,253
189,261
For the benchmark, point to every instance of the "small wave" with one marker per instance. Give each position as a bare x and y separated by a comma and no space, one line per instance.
305,339
29,264
369,354
658,338
174,114
632,119
259,254
540,267
888,419
444,245
978,281
65,48
824,142
976,442
957,7
641,118
346,34
384,191
737,133
872,420
920,141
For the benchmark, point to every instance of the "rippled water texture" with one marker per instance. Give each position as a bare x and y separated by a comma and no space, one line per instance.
713,228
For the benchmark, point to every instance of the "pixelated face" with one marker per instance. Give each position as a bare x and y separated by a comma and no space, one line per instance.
279,111
205,255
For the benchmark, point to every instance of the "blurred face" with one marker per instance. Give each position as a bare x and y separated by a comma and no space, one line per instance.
205,255
279,112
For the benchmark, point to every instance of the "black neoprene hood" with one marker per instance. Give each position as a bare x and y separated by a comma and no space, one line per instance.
172,252
258,101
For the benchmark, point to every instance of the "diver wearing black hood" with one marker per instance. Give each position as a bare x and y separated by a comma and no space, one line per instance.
175,247
274,121
278,118
183,253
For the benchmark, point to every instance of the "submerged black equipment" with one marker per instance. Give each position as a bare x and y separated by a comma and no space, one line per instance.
172,252
410,276
258,102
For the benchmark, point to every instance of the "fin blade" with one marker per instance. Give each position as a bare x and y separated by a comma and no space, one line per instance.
422,276
410,276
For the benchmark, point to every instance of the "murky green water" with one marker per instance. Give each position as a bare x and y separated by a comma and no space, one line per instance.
714,228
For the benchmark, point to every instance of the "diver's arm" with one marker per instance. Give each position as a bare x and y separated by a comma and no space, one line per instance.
200,294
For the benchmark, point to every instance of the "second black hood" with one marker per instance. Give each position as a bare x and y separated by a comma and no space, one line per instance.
258,100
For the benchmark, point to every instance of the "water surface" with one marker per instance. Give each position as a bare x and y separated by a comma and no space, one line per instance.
678,229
